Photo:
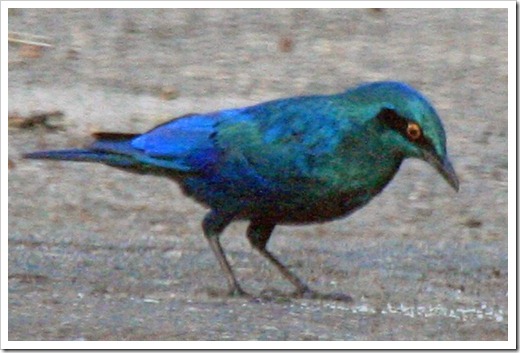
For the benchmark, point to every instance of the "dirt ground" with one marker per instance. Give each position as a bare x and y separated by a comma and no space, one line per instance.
98,254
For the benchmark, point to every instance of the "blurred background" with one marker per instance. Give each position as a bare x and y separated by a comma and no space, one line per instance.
97,254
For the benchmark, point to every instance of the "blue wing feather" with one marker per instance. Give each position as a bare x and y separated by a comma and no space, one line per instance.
187,143
184,144
178,138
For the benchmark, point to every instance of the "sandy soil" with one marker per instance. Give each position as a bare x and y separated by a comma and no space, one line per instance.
97,254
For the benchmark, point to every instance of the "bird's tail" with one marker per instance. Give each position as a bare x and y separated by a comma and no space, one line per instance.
82,155
108,148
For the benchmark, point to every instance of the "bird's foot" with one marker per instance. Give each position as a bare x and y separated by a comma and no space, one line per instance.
307,293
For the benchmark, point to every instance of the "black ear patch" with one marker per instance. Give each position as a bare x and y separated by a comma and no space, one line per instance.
396,122
393,120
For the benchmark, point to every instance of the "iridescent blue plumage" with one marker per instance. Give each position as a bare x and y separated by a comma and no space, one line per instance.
294,160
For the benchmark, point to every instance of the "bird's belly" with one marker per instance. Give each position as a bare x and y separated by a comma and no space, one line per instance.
300,201
288,208
313,209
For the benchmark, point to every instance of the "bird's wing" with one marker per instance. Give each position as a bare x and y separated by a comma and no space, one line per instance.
184,144
282,140
285,140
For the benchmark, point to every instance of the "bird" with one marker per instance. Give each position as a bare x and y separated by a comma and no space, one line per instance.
290,161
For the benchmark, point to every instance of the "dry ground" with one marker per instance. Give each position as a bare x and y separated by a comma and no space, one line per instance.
97,254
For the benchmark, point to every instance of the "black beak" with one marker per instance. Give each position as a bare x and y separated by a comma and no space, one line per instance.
444,167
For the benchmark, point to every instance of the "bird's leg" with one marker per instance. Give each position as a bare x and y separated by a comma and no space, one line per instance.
213,225
258,234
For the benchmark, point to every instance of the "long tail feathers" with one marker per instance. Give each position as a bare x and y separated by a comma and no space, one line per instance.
65,155
82,155
109,148
115,150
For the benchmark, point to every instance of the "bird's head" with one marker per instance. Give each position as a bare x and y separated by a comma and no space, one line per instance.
408,124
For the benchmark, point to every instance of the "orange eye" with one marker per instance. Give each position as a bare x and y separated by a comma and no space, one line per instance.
413,131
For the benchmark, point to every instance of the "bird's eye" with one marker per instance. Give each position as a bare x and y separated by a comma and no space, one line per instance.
413,131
